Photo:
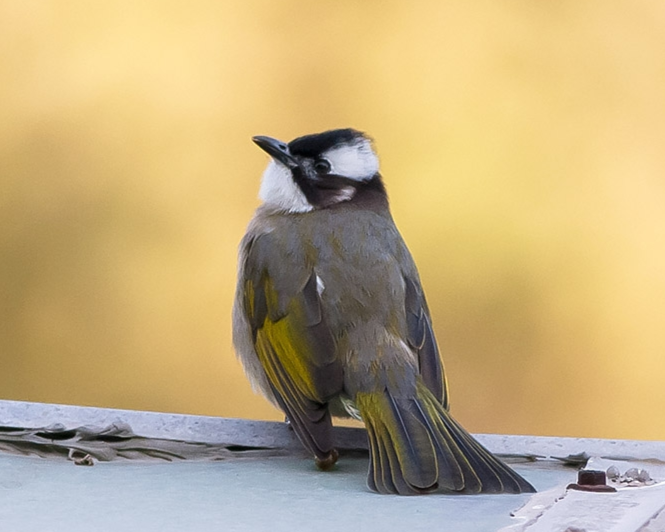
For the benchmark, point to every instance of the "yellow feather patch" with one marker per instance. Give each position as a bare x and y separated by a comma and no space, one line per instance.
286,340
281,339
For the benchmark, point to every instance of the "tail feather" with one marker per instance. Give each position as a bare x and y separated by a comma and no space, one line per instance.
419,469
417,447
496,477
396,439
479,477
388,462
452,477
373,482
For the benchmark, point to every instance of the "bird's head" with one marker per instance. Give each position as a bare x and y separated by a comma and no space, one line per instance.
320,171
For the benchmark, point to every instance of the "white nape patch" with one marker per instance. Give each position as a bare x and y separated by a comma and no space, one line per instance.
320,287
344,194
279,190
355,161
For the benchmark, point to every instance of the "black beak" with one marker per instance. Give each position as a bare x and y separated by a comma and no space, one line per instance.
277,149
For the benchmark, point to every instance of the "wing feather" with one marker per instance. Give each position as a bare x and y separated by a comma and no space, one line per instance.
420,337
293,342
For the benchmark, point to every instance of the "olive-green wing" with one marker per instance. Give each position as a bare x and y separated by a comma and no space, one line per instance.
420,337
293,342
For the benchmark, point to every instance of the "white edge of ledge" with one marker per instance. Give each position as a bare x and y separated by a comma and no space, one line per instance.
271,434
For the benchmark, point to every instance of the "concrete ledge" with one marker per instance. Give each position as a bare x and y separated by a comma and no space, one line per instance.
242,432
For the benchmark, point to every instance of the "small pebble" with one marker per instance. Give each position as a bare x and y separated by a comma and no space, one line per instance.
643,475
631,474
613,473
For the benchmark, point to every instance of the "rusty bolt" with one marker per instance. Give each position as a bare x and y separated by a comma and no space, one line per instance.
590,480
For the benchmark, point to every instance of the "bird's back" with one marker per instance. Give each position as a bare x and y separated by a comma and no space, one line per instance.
361,263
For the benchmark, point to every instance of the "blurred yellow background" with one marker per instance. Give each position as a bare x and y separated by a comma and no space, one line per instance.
522,144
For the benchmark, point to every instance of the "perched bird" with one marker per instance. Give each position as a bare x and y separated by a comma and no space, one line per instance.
330,319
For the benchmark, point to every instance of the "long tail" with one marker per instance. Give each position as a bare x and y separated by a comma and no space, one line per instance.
417,447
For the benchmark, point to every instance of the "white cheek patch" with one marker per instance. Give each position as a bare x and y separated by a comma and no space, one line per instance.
279,189
356,161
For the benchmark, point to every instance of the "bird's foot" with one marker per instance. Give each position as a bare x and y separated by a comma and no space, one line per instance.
327,463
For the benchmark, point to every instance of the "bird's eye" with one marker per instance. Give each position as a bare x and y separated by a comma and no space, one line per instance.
322,166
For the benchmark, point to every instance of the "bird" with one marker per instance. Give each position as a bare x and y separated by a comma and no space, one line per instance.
330,320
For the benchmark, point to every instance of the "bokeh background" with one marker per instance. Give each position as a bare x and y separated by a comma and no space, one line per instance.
522,143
